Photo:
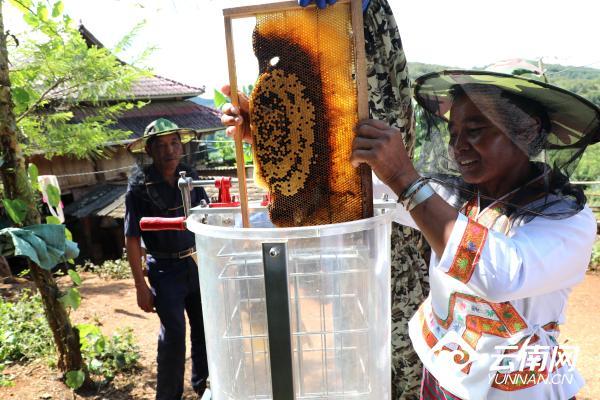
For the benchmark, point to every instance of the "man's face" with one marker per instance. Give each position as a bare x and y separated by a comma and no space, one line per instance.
165,152
484,152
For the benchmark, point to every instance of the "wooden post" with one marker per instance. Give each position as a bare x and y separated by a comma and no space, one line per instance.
239,143
360,63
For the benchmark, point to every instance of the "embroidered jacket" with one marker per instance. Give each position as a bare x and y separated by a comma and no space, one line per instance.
489,328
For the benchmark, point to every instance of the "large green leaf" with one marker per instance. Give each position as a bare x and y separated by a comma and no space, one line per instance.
68,234
71,299
52,220
75,379
53,195
33,173
57,9
42,12
20,95
16,210
23,5
74,277
220,99
87,329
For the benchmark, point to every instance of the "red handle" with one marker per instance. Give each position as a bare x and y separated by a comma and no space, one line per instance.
162,224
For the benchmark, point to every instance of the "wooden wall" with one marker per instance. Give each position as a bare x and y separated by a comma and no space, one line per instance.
76,173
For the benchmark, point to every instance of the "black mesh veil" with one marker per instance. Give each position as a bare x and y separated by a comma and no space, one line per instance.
549,124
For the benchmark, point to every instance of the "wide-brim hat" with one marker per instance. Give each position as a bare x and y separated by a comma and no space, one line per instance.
160,127
575,121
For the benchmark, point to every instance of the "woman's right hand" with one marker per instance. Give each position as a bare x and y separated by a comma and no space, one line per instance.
234,118
382,148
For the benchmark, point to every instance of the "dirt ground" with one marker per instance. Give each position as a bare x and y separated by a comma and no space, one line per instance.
112,304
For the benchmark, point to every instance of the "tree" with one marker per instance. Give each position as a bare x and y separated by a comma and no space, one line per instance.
51,76
55,74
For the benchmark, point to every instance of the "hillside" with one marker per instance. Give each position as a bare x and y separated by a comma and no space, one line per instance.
581,80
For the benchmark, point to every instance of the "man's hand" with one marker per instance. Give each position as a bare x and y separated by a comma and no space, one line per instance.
235,118
145,299
382,147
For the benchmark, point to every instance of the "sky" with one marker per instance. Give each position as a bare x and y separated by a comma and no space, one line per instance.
190,43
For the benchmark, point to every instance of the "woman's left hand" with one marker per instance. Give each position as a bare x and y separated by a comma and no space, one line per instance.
382,147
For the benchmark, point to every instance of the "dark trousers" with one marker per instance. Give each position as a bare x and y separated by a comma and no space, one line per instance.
177,290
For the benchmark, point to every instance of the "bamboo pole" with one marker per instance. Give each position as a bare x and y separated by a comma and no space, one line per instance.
239,143
360,63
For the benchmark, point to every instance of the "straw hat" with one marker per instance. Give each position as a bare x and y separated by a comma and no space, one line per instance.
160,127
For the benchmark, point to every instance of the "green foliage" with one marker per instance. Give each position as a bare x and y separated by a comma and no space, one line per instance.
222,149
33,173
16,210
75,379
52,71
110,269
6,380
53,195
51,219
24,332
595,261
26,336
220,99
72,298
105,357
588,168
75,278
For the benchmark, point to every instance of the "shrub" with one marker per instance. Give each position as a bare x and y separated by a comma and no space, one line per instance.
105,357
24,331
110,269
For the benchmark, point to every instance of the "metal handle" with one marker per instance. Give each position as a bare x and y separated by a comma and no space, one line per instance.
162,224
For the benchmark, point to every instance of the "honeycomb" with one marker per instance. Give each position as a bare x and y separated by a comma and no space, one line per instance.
302,113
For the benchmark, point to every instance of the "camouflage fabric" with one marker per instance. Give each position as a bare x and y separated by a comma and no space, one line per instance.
390,101
387,72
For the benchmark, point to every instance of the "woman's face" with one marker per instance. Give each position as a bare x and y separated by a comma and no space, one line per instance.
484,153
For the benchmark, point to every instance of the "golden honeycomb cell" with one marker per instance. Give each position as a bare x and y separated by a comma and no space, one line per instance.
302,113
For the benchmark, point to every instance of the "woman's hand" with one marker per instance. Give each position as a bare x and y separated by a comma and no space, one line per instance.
235,118
382,147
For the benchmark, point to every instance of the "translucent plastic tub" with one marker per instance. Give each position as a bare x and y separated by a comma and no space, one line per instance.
332,313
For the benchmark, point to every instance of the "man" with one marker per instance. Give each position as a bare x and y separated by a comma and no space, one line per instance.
172,271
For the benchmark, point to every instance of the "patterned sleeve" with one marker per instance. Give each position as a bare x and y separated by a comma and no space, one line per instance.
542,256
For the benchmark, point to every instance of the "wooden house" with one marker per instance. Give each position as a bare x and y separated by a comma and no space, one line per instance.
93,190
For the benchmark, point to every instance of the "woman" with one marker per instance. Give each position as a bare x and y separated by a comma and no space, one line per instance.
510,236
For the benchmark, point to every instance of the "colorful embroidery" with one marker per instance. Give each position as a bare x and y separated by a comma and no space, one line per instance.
469,251
503,320
471,208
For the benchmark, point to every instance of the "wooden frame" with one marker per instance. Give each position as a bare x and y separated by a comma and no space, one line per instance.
361,83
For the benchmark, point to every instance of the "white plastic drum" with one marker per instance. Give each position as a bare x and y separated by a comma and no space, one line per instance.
338,306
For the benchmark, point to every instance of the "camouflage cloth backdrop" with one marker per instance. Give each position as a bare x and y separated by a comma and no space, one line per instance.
390,101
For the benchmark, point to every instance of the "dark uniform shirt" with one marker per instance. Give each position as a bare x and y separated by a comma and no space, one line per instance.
148,195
